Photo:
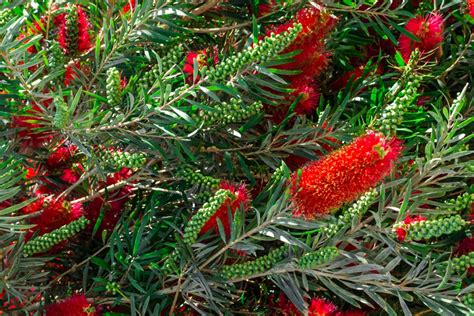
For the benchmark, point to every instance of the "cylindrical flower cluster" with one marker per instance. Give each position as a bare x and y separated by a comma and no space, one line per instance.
170,59
427,229
226,113
342,176
392,115
194,177
258,265
114,89
318,257
116,159
204,215
357,209
468,299
460,203
48,240
238,197
463,263
267,48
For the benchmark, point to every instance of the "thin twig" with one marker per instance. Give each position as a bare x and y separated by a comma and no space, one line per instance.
175,299
205,7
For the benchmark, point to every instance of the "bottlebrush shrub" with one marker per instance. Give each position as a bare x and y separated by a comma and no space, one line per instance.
212,158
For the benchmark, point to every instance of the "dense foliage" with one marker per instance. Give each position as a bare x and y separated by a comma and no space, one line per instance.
236,157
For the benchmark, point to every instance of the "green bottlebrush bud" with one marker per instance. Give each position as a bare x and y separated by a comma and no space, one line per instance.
281,172
318,257
55,55
61,117
260,264
171,58
113,287
265,49
170,263
227,113
462,263
357,209
49,240
431,228
117,159
5,16
460,203
468,300
197,178
392,115
71,29
195,224
114,90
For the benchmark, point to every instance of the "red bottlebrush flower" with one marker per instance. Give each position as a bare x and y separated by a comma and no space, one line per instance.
36,29
312,58
77,210
45,189
429,31
422,100
70,176
343,175
59,19
83,30
470,7
310,96
307,103
316,25
31,173
76,305
354,75
10,303
71,72
266,8
311,61
130,6
34,207
55,213
123,83
203,57
122,175
465,246
242,197
283,306
113,206
401,231
73,174
60,23
321,307
60,156
29,125
51,213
